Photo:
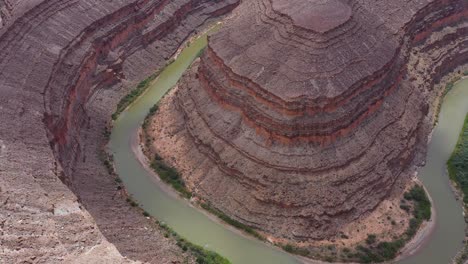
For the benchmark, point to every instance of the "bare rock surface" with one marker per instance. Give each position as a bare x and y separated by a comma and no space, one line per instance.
64,66
303,116
317,15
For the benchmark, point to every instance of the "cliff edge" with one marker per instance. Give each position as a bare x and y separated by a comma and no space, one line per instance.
64,66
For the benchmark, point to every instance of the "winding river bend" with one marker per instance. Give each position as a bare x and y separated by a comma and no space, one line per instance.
192,224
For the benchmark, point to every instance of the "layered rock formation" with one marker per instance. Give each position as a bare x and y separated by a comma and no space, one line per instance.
64,66
303,116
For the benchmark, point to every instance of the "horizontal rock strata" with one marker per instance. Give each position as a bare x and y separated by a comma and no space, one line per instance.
64,66
302,116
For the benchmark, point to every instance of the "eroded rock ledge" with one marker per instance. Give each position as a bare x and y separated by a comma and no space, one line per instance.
299,129
64,66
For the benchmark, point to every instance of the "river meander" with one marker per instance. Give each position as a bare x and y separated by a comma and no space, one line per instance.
200,229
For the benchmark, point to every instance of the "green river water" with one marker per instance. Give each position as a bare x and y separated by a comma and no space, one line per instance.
200,229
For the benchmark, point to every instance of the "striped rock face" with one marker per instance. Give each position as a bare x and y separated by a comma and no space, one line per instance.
65,64
303,116
318,15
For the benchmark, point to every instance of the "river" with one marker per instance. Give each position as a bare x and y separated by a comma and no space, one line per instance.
200,229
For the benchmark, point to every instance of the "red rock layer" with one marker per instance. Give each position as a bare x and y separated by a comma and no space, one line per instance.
64,66
298,128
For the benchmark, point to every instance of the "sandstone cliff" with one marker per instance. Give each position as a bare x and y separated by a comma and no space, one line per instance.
64,65
303,116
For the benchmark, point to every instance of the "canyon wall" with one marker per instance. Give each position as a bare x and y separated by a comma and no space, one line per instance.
303,116
64,66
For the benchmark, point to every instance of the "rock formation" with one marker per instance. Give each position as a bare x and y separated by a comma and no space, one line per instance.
64,66
303,116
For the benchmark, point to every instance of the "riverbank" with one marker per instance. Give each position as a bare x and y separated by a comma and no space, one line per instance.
448,83
143,86
423,235
139,149
458,172
386,222
190,252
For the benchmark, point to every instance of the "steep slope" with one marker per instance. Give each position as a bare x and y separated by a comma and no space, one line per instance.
303,116
64,65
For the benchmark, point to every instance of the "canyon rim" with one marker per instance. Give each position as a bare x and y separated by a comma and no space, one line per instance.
304,120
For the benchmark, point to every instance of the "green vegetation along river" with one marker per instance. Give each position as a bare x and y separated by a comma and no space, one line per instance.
197,227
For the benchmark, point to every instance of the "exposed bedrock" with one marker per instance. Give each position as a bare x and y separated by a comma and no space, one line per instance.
64,66
302,116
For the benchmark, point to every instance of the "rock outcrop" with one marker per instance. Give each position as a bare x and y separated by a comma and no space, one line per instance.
64,66
303,116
